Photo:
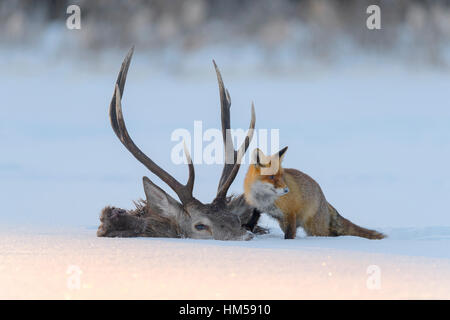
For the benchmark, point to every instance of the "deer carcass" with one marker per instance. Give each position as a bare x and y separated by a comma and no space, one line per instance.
160,215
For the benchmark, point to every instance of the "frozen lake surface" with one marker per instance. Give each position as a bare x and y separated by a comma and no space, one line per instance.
43,264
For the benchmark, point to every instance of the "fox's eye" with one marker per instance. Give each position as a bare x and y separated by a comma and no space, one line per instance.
201,227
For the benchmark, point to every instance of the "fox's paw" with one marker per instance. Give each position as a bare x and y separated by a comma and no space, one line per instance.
260,230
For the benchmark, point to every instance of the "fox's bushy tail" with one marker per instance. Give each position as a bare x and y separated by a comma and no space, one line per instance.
342,227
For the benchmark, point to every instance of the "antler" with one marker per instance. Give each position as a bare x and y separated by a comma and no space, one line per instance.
184,192
232,157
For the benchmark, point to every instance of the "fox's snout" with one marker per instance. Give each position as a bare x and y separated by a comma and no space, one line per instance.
282,191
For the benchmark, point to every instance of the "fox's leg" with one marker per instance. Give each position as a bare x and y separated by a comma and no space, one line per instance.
251,224
290,226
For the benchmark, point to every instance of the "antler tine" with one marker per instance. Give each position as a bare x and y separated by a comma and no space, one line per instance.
184,192
191,179
222,192
225,103
232,157
230,153
121,79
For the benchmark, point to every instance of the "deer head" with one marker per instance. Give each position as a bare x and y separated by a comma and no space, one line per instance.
160,215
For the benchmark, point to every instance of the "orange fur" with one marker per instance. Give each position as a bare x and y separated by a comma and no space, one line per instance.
303,206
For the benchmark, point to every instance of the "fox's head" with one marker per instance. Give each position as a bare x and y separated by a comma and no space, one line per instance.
264,180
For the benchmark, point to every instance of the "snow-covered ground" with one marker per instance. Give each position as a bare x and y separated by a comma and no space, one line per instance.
75,264
375,136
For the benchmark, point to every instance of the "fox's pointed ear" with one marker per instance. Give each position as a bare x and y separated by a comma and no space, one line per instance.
259,158
281,153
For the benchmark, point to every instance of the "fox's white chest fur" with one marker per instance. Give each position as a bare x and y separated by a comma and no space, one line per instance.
262,196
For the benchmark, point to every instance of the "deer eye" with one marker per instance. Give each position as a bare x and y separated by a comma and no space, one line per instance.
201,227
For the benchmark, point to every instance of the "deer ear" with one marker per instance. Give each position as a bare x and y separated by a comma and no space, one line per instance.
159,202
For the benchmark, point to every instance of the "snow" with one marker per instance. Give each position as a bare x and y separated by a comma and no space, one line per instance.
39,264
375,137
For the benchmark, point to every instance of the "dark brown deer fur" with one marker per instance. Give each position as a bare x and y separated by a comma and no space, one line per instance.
142,222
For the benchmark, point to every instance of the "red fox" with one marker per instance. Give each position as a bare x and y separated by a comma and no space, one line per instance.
295,200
